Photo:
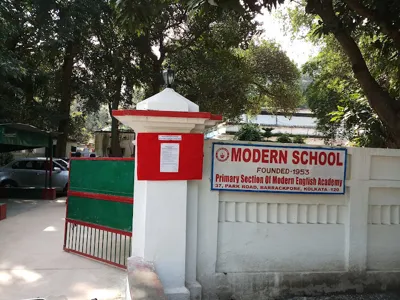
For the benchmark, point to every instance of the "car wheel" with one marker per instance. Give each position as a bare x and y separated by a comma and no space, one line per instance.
65,188
8,184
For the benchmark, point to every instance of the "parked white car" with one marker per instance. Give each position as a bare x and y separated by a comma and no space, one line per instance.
31,172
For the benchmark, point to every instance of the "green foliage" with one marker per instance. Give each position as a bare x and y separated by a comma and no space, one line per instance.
361,125
6,158
361,42
217,65
275,79
298,140
249,132
267,132
234,82
284,138
35,36
64,61
339,103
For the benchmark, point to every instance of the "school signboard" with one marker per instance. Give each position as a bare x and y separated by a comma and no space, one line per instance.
278,169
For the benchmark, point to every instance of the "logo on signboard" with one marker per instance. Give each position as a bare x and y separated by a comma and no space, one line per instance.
222,154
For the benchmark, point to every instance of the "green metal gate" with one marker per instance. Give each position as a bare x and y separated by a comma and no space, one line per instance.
98,222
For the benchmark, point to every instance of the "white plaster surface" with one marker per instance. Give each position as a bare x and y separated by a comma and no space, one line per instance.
160,214
33,263
159,231
248,247
168,100
253,245
256,245
383,247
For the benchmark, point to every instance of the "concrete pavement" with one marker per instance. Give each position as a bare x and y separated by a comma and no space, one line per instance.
33,264
375,296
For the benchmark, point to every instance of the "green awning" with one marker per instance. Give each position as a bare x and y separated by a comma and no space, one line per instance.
15,136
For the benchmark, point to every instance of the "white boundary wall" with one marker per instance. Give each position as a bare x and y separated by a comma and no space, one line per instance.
259,245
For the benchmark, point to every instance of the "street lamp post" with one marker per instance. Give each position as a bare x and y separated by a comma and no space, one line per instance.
169,76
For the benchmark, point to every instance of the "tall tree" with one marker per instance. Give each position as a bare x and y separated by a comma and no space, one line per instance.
26,69
339,102
109,69
347,20
233,82
74,23
217,65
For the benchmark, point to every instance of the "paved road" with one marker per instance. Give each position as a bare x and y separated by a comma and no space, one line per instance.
33,264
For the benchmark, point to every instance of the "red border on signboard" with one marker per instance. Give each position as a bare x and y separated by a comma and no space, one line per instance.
277,192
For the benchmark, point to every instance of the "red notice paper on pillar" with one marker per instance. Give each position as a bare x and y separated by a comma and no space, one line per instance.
169,156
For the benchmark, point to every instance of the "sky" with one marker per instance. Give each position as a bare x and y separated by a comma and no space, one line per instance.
298,50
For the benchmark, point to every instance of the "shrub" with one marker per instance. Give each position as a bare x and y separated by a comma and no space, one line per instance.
298,140
267,132
284,138
249,132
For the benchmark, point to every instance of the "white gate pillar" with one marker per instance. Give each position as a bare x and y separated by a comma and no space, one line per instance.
160,206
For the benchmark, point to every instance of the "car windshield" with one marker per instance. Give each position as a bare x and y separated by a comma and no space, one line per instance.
62,162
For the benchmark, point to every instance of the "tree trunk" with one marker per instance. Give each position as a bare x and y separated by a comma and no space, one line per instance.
115,143
383,104
387,27
156,80
29,99
65,105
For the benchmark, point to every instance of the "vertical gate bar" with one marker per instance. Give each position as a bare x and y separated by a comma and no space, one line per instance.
71,235
78,232
86,239
74,229
66,241
123,257
93,242
98,241
120,248
83,244
90,239
77,237
125,244
97,235
115,246
130,244
110,250
103,236
106,233
80,239
102,245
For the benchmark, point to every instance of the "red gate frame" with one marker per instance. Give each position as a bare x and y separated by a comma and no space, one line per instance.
121,199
